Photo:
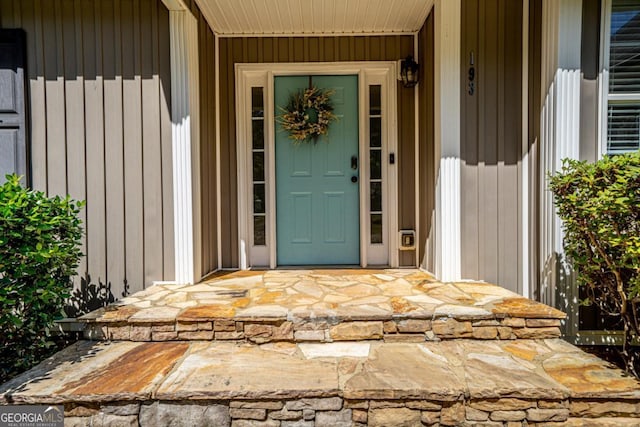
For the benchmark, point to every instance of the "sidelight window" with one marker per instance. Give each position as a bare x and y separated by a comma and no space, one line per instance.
375,164
258,162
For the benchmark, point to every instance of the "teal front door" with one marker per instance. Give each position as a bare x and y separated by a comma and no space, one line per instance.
317,197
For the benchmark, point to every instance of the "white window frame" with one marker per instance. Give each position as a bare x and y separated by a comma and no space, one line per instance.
369,73
604,95
576,335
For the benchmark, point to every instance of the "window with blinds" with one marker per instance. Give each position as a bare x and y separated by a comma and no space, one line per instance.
623,101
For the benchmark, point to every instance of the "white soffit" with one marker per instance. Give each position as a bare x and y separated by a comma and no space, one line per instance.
314,17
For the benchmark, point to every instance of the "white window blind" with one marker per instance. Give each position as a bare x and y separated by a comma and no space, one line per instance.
623,100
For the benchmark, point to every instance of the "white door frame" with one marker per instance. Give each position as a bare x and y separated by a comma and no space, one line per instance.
262,75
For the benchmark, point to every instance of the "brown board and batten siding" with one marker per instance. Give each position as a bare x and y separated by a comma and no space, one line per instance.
426,148
535,109
309,49
589,317
426,151
99,88
208,175
590,67
491,142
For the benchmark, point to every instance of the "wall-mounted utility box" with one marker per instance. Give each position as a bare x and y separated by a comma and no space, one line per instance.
407,240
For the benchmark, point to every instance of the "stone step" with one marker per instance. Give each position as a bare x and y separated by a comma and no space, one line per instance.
455,382
324,306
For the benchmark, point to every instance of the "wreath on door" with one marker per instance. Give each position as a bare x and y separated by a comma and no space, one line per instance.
308,115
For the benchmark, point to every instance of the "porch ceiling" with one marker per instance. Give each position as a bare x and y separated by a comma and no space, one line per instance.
314,17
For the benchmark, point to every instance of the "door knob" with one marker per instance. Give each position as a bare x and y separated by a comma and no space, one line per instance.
354,179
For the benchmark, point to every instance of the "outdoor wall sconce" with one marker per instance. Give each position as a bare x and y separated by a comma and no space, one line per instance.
409,72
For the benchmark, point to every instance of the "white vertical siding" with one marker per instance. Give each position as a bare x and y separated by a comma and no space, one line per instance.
559,136
186,188
491,144
99,107
447,138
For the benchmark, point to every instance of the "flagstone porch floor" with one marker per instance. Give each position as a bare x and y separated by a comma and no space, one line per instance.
328,348
324,306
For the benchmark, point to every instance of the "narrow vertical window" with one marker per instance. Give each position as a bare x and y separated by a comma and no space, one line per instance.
258,162
375,164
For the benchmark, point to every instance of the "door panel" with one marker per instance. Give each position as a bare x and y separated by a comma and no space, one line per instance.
8,93
318,216
302,218
301,163
13,132
8,150
334,206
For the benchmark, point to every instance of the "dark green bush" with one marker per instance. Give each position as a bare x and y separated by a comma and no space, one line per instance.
39,253
599,204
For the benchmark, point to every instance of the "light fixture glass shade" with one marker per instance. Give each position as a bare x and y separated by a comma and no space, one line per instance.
409,72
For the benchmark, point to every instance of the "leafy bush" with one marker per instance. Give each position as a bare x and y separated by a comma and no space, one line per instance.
599,204
39,253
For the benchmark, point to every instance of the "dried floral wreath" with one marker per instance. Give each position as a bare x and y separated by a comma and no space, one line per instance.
308,115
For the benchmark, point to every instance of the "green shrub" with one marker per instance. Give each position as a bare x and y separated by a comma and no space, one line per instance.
39,253
599,204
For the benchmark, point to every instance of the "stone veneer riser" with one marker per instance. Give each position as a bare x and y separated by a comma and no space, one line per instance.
336,412
323,306
261,331
448,383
